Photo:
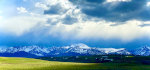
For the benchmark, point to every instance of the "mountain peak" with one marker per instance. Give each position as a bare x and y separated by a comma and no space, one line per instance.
73,50
80,45
145,47
144,51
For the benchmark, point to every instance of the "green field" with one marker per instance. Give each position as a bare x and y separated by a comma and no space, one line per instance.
36,64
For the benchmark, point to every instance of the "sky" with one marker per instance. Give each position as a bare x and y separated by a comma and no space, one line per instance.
96,23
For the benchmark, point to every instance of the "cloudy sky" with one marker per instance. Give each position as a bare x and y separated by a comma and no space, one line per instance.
97,23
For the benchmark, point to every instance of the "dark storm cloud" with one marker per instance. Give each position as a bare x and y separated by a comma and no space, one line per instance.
121,11
56,9
69,20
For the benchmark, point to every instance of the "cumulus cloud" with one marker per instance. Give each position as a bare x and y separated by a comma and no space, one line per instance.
58,14
102,30
80,20
58,6
145,24
41,5
22,10
148,4
63,10
82,27
19,25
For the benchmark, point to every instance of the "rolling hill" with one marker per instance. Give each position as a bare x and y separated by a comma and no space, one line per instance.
36,64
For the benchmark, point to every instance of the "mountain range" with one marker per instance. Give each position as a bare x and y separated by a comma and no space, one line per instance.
72,50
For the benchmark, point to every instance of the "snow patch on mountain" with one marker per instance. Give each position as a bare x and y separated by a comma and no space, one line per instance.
74,50
143,51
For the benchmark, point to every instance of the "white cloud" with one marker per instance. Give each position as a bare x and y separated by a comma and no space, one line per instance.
102,30
65,4
83,29
22,10
67,9
19,25
41,5
148,4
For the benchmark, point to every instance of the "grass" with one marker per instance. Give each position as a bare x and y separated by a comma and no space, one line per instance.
36,64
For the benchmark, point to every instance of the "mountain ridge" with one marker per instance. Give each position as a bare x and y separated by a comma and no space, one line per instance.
72,50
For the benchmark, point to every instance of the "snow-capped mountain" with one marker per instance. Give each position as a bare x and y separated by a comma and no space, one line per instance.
122,51
143,51
35,50
72,50
82,49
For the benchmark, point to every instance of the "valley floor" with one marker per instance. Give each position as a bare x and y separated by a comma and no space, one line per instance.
36,64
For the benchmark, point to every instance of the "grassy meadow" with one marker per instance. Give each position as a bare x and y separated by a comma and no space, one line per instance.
9,63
